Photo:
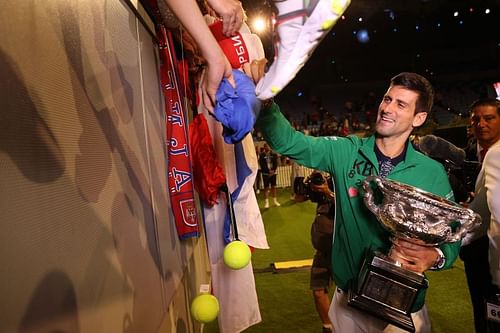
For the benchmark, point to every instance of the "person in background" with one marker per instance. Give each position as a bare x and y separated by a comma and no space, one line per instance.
268,162
470,148
491,171
321,239
386,153
345,127
259,172
485,126
296,179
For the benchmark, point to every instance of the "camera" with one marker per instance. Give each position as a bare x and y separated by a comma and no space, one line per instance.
316,178
462,178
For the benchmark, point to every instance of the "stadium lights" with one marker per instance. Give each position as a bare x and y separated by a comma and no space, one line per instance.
259,24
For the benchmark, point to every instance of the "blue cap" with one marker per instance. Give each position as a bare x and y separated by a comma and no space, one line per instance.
237,108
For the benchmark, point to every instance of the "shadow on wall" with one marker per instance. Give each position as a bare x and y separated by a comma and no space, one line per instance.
53,306
36,146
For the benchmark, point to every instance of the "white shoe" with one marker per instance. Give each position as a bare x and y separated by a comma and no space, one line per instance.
276,203
258,191
266,203
300,30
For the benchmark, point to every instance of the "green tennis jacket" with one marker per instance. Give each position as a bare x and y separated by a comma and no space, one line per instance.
349,160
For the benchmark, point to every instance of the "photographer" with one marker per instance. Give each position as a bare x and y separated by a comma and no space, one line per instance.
318,188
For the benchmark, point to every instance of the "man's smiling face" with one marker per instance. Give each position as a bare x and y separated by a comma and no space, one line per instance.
396,113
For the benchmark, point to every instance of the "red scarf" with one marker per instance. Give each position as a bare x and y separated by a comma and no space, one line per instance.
180,183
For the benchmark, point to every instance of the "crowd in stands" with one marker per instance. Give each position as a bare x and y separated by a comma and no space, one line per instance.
320,117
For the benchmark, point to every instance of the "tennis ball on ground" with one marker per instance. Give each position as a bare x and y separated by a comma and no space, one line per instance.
237,255
205,308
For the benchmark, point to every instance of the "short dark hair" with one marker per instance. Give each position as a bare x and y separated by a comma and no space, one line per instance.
485,102
418,84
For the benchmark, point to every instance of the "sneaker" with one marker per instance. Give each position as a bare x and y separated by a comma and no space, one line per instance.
258,191
300,28
276,203
266,203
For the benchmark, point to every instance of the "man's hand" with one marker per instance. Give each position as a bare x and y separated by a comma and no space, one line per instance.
232,14
218,69
323,188
413,255
255,69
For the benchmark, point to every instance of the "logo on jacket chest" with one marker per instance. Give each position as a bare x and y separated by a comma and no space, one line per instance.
361,168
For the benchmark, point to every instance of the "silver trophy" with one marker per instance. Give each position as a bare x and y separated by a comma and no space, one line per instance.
384,288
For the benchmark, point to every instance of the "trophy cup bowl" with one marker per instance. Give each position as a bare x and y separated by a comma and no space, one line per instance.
384,288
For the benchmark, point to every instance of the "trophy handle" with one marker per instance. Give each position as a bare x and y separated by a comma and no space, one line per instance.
467,221
368,197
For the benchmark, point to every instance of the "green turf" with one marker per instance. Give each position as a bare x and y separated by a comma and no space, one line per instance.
285,299
288,232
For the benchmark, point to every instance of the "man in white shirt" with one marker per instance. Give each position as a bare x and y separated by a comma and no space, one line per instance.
485,124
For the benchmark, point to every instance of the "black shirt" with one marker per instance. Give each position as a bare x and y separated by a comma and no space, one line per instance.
385,163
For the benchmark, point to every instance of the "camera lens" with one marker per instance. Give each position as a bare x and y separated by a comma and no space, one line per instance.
317,179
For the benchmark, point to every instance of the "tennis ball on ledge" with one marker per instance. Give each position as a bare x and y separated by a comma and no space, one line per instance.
237,255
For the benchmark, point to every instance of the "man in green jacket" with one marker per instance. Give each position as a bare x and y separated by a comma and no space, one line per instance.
387,153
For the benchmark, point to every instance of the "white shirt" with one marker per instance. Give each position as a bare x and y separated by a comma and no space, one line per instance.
480,206
491,170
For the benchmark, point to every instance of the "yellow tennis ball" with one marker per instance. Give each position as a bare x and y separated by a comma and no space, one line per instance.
205,308
237,255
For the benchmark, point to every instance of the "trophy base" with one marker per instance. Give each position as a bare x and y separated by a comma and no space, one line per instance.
389,315
387,291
